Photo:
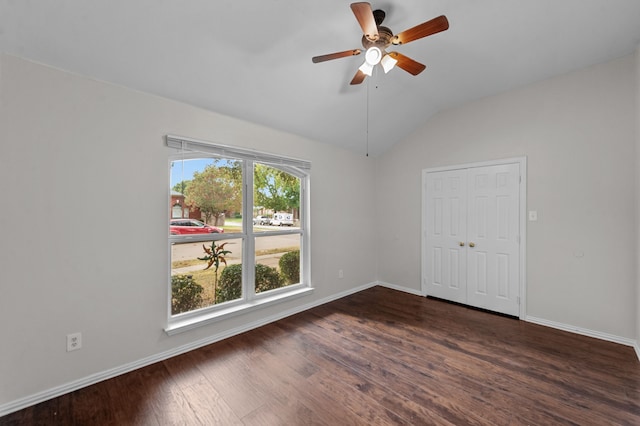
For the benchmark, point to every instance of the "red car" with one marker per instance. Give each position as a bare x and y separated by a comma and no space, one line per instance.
191,226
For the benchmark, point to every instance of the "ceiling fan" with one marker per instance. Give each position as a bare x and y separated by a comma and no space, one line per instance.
376,39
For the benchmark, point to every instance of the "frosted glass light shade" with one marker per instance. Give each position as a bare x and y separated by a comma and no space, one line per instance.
373,56
388,63
366,68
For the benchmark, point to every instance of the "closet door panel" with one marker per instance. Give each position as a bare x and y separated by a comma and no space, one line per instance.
445,229
493,235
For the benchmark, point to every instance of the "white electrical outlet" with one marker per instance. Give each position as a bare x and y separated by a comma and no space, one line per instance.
340,273
74,341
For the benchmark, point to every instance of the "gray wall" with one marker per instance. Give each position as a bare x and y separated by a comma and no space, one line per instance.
84,223
578,133
79,155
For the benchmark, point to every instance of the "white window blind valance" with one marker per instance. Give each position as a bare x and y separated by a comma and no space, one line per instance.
193,145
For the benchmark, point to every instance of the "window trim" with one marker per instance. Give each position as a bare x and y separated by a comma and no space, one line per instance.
189,148
194,145
205,318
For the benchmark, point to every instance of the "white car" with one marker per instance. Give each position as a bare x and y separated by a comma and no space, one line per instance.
262,220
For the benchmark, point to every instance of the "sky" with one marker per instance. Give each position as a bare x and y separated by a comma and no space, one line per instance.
183,169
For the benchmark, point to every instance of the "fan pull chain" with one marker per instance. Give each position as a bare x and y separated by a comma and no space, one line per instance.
368,80
368,102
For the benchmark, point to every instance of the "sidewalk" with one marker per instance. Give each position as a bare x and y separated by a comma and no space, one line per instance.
267,259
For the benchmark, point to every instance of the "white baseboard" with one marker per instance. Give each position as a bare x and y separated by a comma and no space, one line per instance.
547,323
54,392
400,288
586,332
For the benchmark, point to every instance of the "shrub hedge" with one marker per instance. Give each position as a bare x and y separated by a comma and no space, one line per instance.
230,283
186,294
290,267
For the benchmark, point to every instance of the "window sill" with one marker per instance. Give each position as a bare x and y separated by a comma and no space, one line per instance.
180,325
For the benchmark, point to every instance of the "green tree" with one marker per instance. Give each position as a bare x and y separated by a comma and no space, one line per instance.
181,187
215,190
276,189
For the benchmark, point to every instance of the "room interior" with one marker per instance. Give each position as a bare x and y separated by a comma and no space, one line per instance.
88,94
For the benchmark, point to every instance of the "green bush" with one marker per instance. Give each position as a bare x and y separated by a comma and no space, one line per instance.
230,283
186,294
267,278
290,267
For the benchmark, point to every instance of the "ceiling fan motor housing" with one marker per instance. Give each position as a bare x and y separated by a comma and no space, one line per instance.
383,40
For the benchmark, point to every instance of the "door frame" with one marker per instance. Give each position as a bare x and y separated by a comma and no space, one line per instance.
522,222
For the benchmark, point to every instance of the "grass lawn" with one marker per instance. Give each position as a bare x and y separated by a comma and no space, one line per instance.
232,225
207,280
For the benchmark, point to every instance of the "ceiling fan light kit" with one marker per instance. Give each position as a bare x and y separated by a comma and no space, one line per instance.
373,55
371,58
388,63
366,69
377,38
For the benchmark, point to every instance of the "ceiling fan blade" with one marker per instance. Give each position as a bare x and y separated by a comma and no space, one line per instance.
336,55
365,18
407,64
358,78
428,28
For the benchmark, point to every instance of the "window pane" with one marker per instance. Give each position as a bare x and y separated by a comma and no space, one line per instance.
277,261
206,206
276,198
194,287
208,190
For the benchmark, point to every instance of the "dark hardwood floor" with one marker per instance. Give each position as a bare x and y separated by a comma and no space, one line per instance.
378,357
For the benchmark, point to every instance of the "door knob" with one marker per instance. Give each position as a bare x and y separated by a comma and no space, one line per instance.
472,244
461,244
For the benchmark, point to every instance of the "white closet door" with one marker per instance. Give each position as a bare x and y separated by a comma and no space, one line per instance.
471,243
493,238
445,228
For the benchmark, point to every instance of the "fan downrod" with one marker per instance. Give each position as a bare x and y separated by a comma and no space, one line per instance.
378,16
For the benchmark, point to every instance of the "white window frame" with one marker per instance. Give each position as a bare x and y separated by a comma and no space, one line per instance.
185,148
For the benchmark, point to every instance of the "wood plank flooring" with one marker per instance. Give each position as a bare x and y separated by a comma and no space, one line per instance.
378,357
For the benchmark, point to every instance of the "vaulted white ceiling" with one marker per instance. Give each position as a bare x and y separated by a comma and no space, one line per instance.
252,59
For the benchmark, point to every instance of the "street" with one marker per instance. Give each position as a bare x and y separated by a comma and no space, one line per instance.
268,245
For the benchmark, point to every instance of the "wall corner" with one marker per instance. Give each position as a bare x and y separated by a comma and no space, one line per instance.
637,192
